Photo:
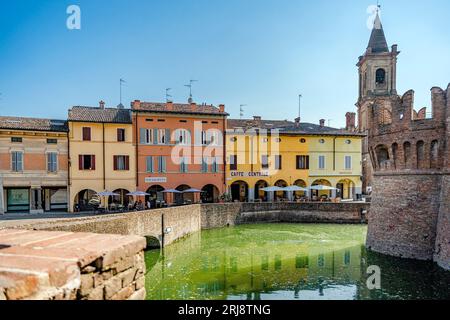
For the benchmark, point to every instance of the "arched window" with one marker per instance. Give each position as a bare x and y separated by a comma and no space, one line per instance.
380,76
382,155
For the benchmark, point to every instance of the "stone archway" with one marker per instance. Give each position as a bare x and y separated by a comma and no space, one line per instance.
239,191
321,182
155,196
122,199
300,183
345,189
86,200
210,194
180,198
281,194
259,194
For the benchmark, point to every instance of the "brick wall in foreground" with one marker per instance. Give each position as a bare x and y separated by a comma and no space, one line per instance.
49,265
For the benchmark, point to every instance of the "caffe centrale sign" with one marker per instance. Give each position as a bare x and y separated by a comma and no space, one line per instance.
249,174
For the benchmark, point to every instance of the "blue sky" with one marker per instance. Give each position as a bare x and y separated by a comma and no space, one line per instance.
262,53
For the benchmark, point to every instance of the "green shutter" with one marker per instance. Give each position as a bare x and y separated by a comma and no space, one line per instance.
142,137
167,136
155,136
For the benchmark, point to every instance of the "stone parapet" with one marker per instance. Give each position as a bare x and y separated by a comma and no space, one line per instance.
49,265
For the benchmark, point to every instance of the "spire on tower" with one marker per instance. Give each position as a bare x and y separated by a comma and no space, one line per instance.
377,42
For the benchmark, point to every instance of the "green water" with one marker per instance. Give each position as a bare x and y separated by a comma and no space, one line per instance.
285,261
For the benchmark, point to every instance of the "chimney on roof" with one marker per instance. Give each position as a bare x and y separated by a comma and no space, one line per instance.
136,104
222,108
169,106
102,104
193,106
322,122
350,122
257,121
297,122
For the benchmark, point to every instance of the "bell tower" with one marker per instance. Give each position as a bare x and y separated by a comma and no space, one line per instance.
377,88
378,65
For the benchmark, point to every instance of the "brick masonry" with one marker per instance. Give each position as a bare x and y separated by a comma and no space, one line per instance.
410,160
50,265
222,215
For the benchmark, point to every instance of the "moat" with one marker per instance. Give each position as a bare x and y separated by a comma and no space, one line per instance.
287,262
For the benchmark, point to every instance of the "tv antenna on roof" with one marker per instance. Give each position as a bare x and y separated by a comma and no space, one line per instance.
190,89
241,110
168,96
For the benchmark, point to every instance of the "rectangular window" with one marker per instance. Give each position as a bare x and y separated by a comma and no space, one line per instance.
321,162
145,136
149,164
205,165
16,140
121,163
161,164
86,134
17,161
52,141
162,136
120,135
86,162
52,162
204,138
348,162
302,162
233,162
265,162
215,165
184,165
278,163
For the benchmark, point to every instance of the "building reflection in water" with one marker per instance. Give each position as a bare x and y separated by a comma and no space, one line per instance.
283,262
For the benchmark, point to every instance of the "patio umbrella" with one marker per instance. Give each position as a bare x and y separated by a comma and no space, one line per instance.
295,188
171,191
107,194
273,190
192,191
138,194
292,189
322,188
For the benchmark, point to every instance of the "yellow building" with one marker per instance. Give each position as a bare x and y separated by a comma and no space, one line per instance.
101,156
265,153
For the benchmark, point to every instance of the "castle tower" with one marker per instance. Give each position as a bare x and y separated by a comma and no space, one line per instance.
377,89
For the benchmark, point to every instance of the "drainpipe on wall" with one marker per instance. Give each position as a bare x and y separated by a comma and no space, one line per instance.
136,150
225,153
69,166
2,201
104,170
334,153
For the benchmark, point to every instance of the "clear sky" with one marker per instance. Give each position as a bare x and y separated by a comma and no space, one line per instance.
261,53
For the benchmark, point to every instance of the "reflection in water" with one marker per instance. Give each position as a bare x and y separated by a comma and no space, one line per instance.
285,261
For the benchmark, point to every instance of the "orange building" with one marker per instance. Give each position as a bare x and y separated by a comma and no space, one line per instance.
179,146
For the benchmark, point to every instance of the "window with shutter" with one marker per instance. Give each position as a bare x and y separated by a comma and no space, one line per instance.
86,134
120,135
149,162
233,162
265,162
